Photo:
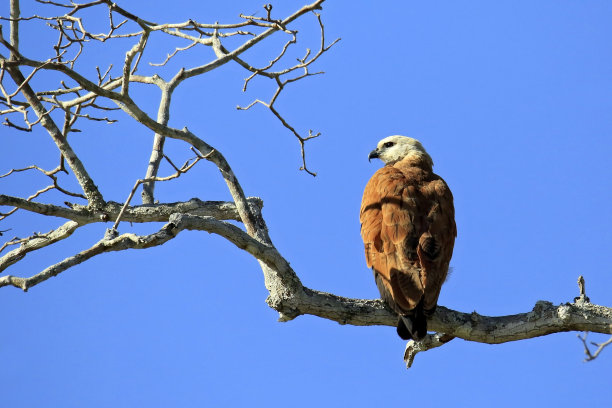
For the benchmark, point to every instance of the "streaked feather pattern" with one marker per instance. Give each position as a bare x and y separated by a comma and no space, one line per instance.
408,229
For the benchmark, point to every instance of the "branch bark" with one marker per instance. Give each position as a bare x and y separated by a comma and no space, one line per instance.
221,210
36,242
89,188
163,116
600,346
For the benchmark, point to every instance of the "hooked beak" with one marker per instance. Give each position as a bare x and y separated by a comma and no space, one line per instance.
373,155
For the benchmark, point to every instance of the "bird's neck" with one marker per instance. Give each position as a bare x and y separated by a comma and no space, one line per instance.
416,159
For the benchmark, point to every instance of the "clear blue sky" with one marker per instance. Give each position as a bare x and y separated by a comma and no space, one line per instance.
512,99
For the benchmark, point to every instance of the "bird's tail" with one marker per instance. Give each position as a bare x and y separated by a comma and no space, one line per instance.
413,325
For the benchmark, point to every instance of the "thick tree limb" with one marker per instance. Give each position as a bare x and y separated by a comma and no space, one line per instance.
37,242
77,167
176,224
221,210
542,320
15,14
163,116
107,244
291,299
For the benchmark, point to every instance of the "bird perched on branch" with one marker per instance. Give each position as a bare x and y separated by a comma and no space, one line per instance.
408,229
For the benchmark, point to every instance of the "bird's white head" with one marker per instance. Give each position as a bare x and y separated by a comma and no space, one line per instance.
395,148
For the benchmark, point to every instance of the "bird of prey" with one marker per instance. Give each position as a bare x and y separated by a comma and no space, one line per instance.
408,229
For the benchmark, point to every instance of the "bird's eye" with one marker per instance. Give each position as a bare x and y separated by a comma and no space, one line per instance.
388,144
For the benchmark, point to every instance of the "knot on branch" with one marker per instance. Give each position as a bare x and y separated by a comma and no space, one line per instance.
111,233
564,312
285,305
541,306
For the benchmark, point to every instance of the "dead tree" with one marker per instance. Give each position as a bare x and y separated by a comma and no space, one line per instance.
76,96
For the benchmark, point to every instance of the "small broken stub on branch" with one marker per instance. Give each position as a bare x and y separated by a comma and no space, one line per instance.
583,298
429,342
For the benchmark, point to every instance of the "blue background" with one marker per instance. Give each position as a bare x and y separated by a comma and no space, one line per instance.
512,99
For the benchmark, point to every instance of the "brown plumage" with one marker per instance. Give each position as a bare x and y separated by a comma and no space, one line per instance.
408,229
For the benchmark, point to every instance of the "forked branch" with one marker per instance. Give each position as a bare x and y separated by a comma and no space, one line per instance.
600,346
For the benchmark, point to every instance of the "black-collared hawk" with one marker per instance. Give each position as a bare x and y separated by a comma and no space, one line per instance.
408,229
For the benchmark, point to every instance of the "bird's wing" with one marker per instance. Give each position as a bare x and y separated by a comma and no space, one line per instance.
390,230
435,247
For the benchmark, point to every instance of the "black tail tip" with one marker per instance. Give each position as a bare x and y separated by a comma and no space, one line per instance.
403,331
412,327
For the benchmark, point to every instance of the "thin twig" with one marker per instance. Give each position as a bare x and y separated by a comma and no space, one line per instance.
600,346
184,169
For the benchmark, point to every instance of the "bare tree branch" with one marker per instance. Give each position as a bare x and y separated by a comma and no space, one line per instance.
122,242
77,167
220,210
163,116
15,14
37,241
600,346
184,169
